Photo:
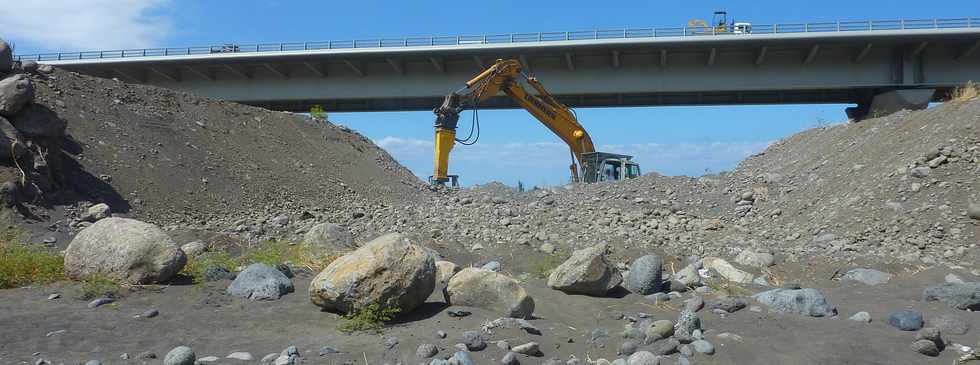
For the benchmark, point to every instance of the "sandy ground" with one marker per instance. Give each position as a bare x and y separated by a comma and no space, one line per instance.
212,323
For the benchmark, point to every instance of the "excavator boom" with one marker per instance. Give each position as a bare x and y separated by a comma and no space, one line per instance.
507,76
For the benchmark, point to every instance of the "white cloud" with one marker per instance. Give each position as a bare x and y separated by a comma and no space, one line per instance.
84,25
547,162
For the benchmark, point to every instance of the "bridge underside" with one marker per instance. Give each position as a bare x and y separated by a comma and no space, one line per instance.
848,68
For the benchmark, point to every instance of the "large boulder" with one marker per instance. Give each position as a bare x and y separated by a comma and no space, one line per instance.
6,57
645,275
36,120
799,301
11,142
389,271
586,272
260,282
126,250
15,92
490,290
961,296
329,235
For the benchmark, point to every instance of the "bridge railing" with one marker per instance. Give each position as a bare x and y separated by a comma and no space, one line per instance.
839,26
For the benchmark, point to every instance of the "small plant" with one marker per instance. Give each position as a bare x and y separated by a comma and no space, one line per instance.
271,253
98,286
369,318
544,265
318,113
967,92
22,265
197,266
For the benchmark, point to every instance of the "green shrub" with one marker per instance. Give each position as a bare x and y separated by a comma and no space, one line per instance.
98,286
23,265
267,252
369,318
543,265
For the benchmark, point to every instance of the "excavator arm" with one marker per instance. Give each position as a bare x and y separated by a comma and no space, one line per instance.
507,76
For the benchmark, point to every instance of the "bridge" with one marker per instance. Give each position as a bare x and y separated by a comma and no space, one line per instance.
878,65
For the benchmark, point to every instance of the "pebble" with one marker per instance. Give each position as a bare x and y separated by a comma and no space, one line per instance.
124,356
213,359
52,333
441,334
327,350
861,317
628,348
54,296
755,308
180,355
391,343
530,349
243,356
473,341
510,358
268,358
686,350
146,355
150,313
100,302
906,320
93,362
503,345
694,304
703,347
492,266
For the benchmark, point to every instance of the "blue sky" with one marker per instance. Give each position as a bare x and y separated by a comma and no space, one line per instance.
513,146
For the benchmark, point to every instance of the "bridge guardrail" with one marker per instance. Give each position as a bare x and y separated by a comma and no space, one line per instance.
839,26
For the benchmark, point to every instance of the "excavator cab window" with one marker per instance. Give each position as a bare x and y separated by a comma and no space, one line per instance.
632,170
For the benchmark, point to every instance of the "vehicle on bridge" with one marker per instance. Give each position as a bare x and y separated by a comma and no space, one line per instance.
719,25
507,75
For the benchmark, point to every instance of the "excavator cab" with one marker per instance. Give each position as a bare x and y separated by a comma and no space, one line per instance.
605,166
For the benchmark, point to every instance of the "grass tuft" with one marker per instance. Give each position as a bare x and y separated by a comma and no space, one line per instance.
98,286
267,252
370,318
23,265
967,92
543,265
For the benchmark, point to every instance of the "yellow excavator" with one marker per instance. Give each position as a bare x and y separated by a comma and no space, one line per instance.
507,75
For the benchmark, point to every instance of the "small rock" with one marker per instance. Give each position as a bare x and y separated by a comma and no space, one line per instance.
861,317
687,322
755,259
973,211
694,304
925,347
800,301
426,350
659,330
100,302
628,348
529,349
960,296
510,358
727,304
215,359
492,266
664,347
867,276
194,248
686,350
645,275
150,313
919,172
93,362
180,355
327,350
643,358
260,282
547,248
473,341
240,355
703,347
503,345
54,296
906,320
441,334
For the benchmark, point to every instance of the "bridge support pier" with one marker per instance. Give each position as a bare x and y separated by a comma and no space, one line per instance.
889,102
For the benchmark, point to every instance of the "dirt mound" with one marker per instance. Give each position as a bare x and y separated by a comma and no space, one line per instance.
845,191
174,158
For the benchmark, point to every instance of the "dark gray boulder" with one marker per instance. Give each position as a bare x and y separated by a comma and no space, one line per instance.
798,301
961,296
906,320
645,275
260,282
